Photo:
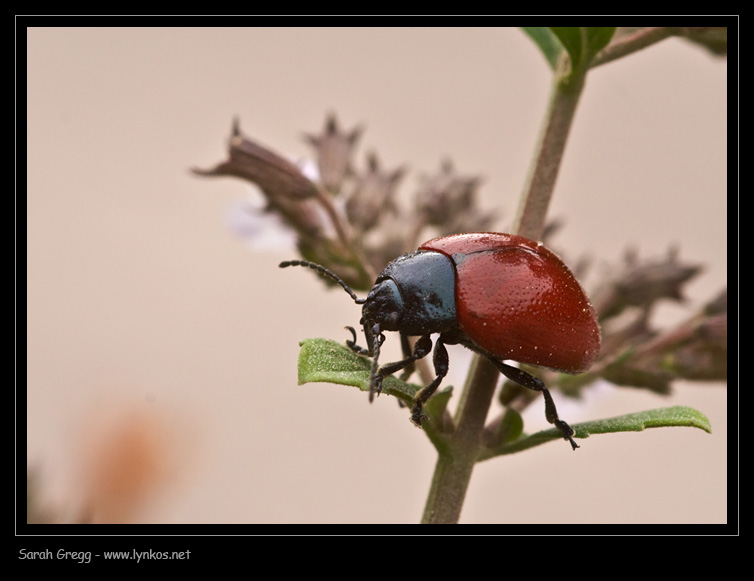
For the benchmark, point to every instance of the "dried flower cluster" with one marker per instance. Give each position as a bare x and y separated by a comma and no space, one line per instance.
634,353
350,219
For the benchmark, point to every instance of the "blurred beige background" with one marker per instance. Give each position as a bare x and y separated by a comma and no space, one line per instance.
145,310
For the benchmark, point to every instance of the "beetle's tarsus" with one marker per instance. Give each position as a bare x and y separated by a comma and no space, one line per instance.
417,416
567,433
375,389
351,343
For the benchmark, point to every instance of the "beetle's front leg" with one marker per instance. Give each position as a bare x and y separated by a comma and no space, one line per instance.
406,349
421,349
351,343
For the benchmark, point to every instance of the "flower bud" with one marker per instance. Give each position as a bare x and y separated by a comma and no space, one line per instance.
334,152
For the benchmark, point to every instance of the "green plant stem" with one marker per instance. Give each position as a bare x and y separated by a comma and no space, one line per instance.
540,182
456,462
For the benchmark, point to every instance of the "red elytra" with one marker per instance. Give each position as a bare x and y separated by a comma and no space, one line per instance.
517,300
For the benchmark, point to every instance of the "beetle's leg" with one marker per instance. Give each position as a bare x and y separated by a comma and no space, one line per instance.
406,348
526,380
422,347
441,362
375,341
352,343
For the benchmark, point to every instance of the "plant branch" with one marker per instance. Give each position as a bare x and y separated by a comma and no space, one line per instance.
632,42
343,232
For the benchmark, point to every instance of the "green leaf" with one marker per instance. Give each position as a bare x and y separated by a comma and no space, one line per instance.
511,427
547,42
597,38
326,361
570,38
637,422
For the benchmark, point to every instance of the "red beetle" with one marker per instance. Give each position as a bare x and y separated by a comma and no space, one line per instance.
503,296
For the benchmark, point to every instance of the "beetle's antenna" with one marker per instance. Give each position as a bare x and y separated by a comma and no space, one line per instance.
321,269
375,379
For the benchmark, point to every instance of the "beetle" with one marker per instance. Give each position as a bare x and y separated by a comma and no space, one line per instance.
502,296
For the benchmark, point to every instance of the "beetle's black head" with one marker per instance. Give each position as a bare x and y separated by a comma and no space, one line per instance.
384,305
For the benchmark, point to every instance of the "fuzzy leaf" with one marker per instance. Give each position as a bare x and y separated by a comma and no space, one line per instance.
570,37
547,42
597,38
511,427
326,361
636,422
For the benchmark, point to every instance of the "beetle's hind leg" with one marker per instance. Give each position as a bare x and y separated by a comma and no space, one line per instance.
526,380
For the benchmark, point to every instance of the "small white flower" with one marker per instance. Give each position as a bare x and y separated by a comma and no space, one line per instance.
260,230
